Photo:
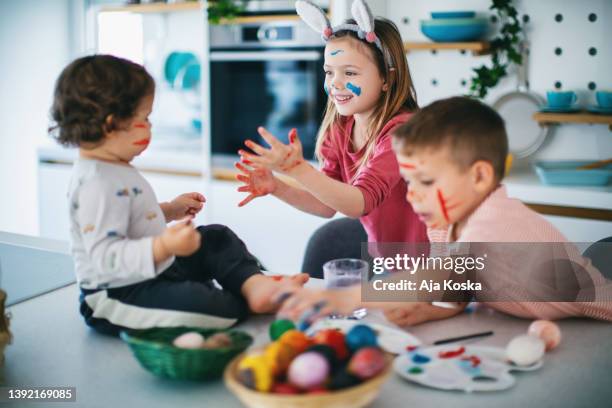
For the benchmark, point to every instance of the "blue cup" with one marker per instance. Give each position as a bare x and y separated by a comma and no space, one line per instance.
604,99
561,99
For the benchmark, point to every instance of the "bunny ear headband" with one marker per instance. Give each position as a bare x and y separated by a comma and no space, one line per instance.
318,21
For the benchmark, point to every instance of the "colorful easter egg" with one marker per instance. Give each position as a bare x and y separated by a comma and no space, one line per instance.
189,340
525,350
285,388
278,327
546,330
278,356
295,339
361,336
255,373
308,370
327,352
334,339
343,379
367,362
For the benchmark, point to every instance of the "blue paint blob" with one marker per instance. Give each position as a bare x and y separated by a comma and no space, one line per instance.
326,89
336,52
420,359
353,88
468,367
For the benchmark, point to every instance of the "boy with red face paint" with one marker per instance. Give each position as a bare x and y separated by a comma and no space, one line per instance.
135,272
452,155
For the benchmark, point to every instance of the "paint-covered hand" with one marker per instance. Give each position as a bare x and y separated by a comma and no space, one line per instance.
301,303
409,314
258,182
280,157
183,205
182,238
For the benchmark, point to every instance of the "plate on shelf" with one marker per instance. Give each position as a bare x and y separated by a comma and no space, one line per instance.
456,367
599,109
566,173
550,109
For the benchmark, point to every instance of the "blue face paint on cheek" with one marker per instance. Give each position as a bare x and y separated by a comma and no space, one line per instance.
326,89
353,88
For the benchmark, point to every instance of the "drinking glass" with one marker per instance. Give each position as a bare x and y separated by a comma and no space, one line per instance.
341,273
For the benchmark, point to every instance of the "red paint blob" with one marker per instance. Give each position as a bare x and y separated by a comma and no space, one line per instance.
452,353
142,142
407,166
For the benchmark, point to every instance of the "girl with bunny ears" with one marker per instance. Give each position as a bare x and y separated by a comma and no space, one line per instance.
370,94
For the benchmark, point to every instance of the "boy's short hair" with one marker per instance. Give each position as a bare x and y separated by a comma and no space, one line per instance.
90,89
470,129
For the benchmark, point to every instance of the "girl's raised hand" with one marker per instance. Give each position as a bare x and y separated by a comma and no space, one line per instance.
259,181
279,157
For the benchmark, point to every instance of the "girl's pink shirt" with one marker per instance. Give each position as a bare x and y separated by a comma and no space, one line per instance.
387,216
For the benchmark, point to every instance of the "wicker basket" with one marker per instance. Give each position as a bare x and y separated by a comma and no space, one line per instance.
5,334
154,351
354,397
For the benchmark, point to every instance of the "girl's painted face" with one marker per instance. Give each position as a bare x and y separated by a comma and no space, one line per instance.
352,78
439,191
132,141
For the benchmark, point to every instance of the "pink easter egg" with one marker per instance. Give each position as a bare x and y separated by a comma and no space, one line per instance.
308,370
546,330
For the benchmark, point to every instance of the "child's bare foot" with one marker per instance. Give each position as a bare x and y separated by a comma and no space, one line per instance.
260,290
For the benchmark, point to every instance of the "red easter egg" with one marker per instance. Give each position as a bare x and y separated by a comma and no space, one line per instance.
317,390
334,339
367,362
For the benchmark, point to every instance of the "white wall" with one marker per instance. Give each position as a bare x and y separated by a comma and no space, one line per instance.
35,44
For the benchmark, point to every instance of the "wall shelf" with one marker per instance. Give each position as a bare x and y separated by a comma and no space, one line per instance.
156,7
476,47
545,118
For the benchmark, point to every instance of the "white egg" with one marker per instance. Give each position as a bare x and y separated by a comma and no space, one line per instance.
189,340
525,350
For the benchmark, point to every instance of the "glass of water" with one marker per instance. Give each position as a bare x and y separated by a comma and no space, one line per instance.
341,273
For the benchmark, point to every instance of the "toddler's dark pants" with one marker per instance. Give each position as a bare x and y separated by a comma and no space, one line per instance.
182,295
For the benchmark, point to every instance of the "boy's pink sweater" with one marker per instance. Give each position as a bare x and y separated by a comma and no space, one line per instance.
388,217
503,219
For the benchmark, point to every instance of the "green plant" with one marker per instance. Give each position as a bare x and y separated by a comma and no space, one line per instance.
224,9
504,50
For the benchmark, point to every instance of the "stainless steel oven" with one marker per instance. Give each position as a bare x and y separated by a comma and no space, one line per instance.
267,75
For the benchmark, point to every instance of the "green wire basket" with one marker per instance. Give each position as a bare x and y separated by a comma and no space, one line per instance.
154,351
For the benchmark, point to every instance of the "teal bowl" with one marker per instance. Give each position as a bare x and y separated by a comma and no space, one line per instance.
454,30
566,173
452,14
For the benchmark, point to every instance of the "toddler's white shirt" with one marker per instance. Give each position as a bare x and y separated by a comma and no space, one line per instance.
114,216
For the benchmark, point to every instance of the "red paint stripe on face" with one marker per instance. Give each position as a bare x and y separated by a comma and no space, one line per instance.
407,166
443,206
142,142
140,126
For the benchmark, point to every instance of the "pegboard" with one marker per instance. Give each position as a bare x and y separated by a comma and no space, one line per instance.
569,50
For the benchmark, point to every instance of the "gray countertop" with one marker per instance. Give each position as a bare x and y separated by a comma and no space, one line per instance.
53,347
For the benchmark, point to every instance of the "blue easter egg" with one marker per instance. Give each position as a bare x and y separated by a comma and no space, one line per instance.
361,336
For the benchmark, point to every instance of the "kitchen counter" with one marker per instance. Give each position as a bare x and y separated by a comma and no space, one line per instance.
177,157
53,347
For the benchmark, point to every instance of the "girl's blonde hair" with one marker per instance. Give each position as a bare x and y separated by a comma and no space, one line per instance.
400,95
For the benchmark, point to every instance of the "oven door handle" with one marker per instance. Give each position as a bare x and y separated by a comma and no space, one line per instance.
264,56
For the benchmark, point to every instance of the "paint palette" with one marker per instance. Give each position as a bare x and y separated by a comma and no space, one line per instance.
392,340
456,367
